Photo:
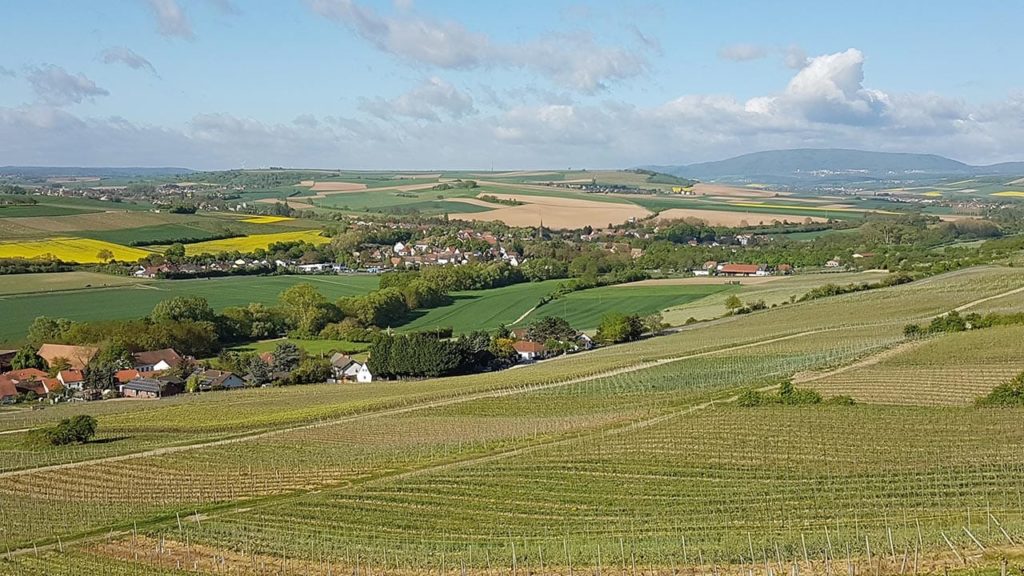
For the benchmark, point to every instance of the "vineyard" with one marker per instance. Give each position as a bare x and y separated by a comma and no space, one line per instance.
630,459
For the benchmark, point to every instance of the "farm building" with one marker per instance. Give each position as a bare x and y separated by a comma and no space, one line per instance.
32,380
77,357
157,360
742,270
151,388
220,380
127,375
529,351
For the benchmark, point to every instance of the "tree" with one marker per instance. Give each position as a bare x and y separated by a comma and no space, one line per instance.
306,310
311,371
58,365
76,430
259,371
183,308
551,328
733,303
617,327
286,357
26,357
193,382
105,255
44,329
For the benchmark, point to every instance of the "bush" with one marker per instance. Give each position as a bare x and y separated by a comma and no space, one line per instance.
1008,394
77,430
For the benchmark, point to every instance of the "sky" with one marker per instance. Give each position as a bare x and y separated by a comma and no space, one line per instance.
461,84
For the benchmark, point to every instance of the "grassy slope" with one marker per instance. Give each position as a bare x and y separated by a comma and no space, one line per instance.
713,475
585,309
483,309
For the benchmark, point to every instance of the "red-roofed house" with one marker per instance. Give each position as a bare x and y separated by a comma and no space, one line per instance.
742,270
8,391
529,351
124,376
32,380
72,379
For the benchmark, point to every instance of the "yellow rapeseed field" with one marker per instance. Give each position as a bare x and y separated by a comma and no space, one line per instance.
82,250
250,243
267,219
1009,193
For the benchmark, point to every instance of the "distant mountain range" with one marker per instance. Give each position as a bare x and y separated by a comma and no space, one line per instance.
35,172
835,166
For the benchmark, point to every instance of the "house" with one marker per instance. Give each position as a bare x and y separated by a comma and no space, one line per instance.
157,360
833,263
701,272
151,387
77,357
584,342
528,351
128,375
32,380
220,380
784,269
72,379
742,270
345,369
6,357
710,265
8,391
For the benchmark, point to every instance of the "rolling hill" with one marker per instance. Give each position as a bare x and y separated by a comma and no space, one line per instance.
816,167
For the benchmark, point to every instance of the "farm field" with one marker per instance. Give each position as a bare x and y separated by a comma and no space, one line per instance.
59,281
483,309
602,459
22,211
948,369
70,249
585,309
137,300
775,291
315,347
254,241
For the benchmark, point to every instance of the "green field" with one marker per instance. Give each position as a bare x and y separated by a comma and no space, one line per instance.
313,347
26,210
632,455
138,300
483,309
585,309
60,281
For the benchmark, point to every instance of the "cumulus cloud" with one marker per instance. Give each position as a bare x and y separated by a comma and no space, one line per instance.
577,62
825,104
55,85
795,57
742,52
128,57
171,18
428,101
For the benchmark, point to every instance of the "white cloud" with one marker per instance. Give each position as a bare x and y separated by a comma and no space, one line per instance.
171,18
128,57
742,52
425,102
827,104
574,61
795,57
55,85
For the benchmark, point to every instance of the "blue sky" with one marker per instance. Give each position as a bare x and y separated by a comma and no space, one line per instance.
531,84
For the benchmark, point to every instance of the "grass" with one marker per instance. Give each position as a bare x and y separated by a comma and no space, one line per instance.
59,281
483,309
138,300
585,309
253,242
69,249
313,347
21,210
